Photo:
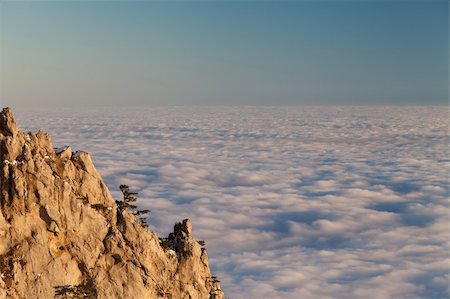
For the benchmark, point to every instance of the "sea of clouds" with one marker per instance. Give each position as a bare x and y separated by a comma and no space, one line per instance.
293,202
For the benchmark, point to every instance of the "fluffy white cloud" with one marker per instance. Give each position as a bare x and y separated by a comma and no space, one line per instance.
293,202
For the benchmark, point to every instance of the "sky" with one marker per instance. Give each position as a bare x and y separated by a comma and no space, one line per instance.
223,52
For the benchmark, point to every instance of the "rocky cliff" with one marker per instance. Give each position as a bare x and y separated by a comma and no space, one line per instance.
62,235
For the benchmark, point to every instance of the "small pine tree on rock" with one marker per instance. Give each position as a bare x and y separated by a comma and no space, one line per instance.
127,203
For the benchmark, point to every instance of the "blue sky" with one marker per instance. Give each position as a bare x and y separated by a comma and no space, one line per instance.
224,52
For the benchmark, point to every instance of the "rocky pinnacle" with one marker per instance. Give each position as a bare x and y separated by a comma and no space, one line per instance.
63,236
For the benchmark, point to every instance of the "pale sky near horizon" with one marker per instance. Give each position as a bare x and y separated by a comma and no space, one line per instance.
223,52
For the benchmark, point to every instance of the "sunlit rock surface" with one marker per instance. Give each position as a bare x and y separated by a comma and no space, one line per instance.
62,235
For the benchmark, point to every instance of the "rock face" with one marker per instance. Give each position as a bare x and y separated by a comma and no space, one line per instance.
62,234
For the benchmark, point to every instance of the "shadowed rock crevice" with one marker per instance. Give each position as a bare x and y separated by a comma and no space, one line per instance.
62,234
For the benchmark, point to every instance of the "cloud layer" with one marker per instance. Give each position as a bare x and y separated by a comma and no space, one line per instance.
293,202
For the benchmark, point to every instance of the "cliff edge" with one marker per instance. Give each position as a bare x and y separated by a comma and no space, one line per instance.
62,235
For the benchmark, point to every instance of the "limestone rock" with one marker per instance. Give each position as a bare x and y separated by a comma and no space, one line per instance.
62,234
8,125
64,153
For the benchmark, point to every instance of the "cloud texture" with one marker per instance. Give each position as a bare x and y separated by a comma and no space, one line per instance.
293,202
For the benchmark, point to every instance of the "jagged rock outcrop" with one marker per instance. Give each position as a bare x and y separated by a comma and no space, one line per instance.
62,235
